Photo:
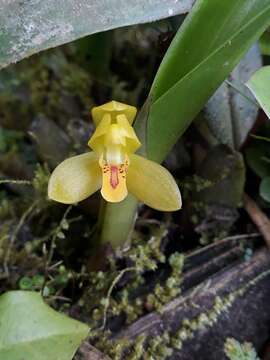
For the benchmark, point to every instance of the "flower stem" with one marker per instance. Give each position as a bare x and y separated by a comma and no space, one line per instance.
116,222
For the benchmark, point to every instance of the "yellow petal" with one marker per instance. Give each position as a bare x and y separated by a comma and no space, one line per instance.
97,139
114,108
75,179
114,187
152,184
132,142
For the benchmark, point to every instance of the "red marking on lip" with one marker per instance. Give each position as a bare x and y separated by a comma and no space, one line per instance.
114,181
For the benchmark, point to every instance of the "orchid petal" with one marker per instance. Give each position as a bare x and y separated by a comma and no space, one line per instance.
75,179
96,141
132,141
113,108
152,184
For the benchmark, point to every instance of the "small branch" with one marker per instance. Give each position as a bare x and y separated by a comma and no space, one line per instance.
17,182
258,217
49,254
89,352
114,283
54,237
15,233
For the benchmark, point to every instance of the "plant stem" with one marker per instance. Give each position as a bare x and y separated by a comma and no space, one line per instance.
117,221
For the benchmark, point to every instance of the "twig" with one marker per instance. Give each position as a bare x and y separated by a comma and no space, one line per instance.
62,298
15,233
258,217
115,281
146,222
17,182
54,237
225,239
52,232
52,267
241,236
49,255
89,352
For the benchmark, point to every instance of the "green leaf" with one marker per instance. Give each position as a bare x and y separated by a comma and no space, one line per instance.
232,111
259,137
265,189
29,27
264,43
257,159
259,84
225,170
258,152
210,43
31,330
95,51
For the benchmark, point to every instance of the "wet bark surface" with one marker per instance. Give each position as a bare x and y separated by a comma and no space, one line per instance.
225,293
247,319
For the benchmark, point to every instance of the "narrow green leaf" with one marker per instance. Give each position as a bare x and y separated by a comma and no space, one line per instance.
209,44
257,154
29,27
232,111
259,84
259,137
265,189
31,330
264,43
225,170
256,157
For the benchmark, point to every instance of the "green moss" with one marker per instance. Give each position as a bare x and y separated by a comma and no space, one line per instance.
40,181
220,306
144,256
165,292
6,206
237,351
137,350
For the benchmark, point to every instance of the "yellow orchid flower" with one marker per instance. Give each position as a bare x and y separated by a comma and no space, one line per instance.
113,167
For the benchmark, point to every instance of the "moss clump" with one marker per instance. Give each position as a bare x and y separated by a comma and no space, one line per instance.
144,258
159,347
128,301
237,351
165,292
189,328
